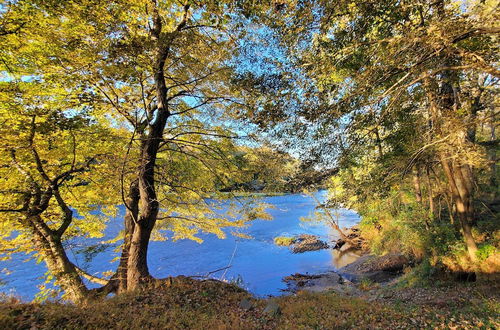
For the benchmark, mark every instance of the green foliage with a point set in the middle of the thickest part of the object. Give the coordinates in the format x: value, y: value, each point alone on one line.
x: 78, y: 103
x: 485, y: 251
x: 260, y: 169
x: 422, y: 275
x: 389, y: 93
x: 98, y: 96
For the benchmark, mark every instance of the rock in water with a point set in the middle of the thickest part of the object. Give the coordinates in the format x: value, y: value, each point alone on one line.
x: 306, y: 243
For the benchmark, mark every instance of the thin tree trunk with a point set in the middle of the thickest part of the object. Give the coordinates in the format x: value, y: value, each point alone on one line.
x: 492, y: 154
x: 432, y: 208
x: 416, y: 184
x: 379, y: 142
x: 131, y: 216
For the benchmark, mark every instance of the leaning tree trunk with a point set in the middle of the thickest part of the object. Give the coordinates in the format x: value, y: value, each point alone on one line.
x: 459, y: 176
x: 64, y: 271
x: 462, y: 198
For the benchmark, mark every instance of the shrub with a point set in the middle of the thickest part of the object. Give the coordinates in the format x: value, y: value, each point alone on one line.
x: 485, y: 251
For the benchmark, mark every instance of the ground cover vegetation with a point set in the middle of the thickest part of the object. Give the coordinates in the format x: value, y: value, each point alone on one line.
x: 154, y: 105
x: 200, y: 304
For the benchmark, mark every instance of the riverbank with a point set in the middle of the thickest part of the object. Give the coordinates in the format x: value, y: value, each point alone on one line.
x: 367, y: 271
x: 192, y: 304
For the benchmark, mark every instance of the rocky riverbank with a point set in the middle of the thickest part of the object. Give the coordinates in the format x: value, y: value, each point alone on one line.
x: 348, y: 279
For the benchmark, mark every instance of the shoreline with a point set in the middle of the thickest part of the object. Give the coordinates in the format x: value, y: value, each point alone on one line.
x: 366, y: 270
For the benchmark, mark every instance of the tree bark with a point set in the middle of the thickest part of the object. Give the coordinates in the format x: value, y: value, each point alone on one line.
x: 458, y: 175
x: 131, y: 216
x: 148, y: 207
x: 432, y: 208
x: 463, y: 202
x: 138, y: 272
x: 416, y: 184
x: 64, y: 271
x: 492, y: 154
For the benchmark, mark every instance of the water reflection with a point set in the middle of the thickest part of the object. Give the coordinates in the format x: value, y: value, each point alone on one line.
x: 341, y: 258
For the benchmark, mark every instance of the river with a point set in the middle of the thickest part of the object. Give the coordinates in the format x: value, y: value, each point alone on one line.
x: 256, y: 264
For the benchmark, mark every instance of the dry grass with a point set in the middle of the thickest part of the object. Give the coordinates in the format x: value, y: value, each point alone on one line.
x: 190, y: 304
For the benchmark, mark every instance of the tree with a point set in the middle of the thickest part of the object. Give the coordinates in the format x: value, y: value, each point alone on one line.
x: 165, y: 77
x: 155, y: 72
x: 395, y: 86
x: 55, y: 164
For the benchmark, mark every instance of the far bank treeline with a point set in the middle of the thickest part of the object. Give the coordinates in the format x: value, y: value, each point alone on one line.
x: 266, y: 170
x: 150, y: 104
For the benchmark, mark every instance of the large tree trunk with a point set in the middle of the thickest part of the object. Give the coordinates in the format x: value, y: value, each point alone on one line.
x: 137, y: 267
x: 138, y: 272
x: 462, y: 199
x: 458, y: 175
x: 148, y: 208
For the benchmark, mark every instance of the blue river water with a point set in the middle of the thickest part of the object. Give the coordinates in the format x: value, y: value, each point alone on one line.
x: 257, y: 264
